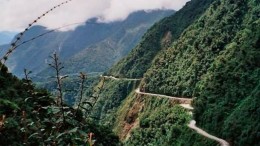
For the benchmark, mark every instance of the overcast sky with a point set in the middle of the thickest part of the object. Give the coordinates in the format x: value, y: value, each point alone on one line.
x: 15, y: 15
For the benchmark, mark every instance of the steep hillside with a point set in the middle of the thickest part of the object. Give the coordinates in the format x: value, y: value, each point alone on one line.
x: 157, y: 38
x: 112, y: 89
x: 143, y: 119
x: 111, y: 100
x: 30, y: 116
x: 120, y: 107
x: 216, y: 60
x: 86, y: 47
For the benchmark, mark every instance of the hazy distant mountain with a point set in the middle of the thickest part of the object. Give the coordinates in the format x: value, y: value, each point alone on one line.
x: 32, y: 55
x: 93, y: 47
x: 6, y: 37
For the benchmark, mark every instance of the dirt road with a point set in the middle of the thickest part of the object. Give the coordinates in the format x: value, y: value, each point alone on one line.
x: 185, y: 103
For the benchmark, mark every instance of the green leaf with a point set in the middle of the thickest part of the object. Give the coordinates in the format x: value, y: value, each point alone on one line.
x: 60, y: 135
x: 55, y: 110
x: 87, y: 102
x: 33, y: 135
x: 73, y: 130
x: 30, y: 124
x: 26, y: 99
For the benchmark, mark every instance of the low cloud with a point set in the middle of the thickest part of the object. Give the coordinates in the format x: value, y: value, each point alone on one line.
x: 15, y: 15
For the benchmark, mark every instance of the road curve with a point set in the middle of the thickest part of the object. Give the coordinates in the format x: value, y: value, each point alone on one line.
x: 186, y: 103
x: 192, y: 123
x: 114, y: 78
x: 193, y: 126
x: 183, y: 100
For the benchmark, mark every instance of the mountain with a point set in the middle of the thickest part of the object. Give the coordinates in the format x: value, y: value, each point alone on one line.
x: 193, y: 80
x: 211, y: 55
x: 92, y: 47
x: 123, y: 36
x: 157, y: 38
x: 33, y: 55
x: 6, y: 37
x: 3, y: 49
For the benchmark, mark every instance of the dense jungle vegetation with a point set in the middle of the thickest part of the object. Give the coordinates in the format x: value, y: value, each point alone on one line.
x: 217, y: 61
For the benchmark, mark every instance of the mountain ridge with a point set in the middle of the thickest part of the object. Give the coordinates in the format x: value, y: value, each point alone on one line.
x: 69, y: 44
x: 157, y: 38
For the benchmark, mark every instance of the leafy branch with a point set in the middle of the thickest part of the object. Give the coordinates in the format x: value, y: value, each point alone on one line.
x: 57, y: 66
x: 83, y: 78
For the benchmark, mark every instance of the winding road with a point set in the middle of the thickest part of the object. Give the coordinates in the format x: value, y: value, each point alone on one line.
x: 114, y: 78
x: 193, y: 126
x: 185, y: 103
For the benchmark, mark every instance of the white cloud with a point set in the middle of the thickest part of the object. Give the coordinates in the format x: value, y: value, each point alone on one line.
x: 15, y: 15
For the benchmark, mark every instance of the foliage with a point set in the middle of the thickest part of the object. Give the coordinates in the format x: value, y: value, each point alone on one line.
x: 246, y: 127
x: 30, y: 117
x: 70, y: 87
x: 216, y: 60
x: 231, y: 83
x: 178, y: 70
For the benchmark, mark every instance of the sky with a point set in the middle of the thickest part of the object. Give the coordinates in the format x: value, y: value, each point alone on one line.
x: 15, y: 15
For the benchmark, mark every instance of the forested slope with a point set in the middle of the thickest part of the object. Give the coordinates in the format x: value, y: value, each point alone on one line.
x: 140, y: 58
x: 158, y: 37
x: 121, y: 108
x: 217, y: 61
